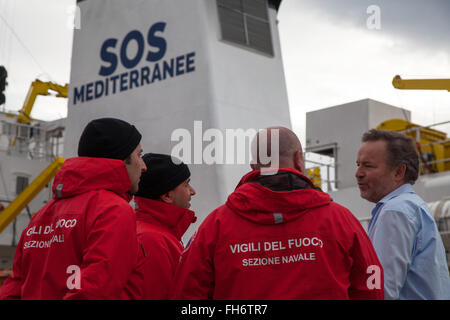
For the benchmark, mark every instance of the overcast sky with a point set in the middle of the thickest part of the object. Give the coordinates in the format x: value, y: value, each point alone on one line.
x: 331, y: 56
x: 329, y: 53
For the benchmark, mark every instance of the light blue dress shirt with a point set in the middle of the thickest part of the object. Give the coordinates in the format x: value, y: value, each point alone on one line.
x: 409, y: 247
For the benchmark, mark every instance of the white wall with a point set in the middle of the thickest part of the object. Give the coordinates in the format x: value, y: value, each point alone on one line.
x: 231, y: 87
x: 10, y: 168
x: 345, y: 125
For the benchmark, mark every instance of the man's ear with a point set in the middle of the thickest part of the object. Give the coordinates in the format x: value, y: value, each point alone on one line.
x: 400, y: 172
x: 299, y: 162
x: 167, y: 197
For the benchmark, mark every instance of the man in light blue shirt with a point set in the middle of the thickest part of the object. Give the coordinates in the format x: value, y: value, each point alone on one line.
x: 402, y: 229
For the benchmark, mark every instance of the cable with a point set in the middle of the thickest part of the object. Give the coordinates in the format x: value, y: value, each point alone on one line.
x: 25, y: 47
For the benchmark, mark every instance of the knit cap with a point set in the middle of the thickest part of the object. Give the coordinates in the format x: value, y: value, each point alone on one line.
x: 108, y: 138
x: 164, y: 173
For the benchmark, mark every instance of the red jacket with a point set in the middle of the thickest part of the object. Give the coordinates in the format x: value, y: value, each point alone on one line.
x: 277, y: 237
x: 82, y: 244
x: 160, y: 227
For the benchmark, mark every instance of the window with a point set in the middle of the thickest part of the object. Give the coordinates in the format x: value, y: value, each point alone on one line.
x: 21, y: 184
x: 325, y: 158
x: 246, y: 22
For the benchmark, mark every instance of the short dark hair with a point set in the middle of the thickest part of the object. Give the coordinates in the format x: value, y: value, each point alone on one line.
x: 401, y: 149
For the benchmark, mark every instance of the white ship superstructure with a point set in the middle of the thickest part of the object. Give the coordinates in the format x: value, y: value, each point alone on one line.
x: 193, y: 70
x: 333, y: 147
x: 25, y: 151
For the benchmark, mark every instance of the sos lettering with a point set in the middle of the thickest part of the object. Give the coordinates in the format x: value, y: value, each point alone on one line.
x: 157, y: 44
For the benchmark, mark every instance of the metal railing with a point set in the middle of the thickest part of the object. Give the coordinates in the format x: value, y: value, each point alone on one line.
x: 330, y: 150
x: 422, y: 162
x: 32, y: 142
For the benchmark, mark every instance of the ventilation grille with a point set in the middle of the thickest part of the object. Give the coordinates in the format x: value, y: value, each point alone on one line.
x: 246, y: 22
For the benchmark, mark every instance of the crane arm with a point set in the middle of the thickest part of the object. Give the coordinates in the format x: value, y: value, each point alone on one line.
x: 22, y: 200
x: 421, y: 84
x: 38, y: 87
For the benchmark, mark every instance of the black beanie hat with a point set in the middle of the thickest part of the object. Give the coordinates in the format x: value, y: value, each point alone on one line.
x: 108, y: 138
x: 162, y: 175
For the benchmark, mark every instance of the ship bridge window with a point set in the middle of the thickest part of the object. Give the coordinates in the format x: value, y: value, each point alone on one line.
x: 21, y: 184
x: 246, y: 22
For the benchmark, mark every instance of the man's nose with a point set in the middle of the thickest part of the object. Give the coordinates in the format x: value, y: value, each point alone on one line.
x: 358, y: 173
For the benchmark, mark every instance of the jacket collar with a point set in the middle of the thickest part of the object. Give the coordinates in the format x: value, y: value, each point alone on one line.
x: 172, y: 218
x: 278, y: 198
x: 276, y: 179
x: 83, y: 174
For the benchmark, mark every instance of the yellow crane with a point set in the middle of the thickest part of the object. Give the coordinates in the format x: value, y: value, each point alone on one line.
x: 431, y: 143
x: 421, y: 84
x: 22, y: 200
x: 37, y: 87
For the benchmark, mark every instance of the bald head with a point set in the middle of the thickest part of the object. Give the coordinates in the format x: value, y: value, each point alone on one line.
x: 277, y: 147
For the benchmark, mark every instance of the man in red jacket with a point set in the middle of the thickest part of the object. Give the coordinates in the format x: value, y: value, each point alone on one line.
x: 278, y: 237
x: 163, y: 217
x: 83, y: 244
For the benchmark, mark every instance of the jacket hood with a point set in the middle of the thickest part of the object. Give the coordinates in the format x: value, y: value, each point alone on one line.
x: 172, y: 218
x: 275, y: 198
x: 83, y: 174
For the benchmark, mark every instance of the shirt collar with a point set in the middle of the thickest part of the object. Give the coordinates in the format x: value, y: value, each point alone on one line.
x: 404, y: 188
